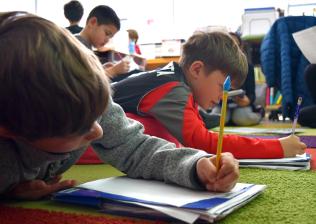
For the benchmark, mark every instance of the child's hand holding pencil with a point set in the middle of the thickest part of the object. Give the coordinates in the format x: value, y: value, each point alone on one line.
x: 221, y: 180
x: 292, y: 145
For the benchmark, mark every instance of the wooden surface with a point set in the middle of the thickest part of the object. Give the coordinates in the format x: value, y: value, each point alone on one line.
x: 159, y: 62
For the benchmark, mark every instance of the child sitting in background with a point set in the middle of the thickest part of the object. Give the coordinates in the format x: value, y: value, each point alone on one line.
x: 133, y: 36
x: 102, y: 24
x: 73, y: 11
x: 307, y: 114
x: 172, y: 95
x: 241, y: 110
x: 57, y: 101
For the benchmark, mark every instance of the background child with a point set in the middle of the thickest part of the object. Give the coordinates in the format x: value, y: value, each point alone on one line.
x: 73, y: 11
x: 172, y: 95
x: 102, y: 24
x: 57, y: 101
x: 133, y: 36
x: 241, y: 109
x: 307, y: 114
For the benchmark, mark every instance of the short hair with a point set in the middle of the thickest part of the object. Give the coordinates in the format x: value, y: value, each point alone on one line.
x: 218, y: 51
x: 73, y: 11
x: 50, y: 85
x: 132, y: 34
x: 240, y: 43
x: 105, y: 15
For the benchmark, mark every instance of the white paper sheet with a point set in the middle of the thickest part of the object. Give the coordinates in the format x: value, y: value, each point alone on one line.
x: 164, y: 193
x: 306, y: 41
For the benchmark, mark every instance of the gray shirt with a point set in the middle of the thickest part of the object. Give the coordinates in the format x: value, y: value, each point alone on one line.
x: 123, y: 145
x: 84, y: 41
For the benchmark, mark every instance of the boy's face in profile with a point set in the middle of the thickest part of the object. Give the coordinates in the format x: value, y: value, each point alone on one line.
x: 207, y: 87
x: 100, y: 34
x: 69, y: 143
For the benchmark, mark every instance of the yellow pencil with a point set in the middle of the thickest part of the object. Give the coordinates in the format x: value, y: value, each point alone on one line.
x: 226, y: 87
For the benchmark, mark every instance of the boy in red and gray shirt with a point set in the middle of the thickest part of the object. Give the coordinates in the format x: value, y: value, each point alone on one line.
x: 171, y: 95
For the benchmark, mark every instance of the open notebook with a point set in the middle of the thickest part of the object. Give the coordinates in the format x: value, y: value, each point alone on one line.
x: 157, y: 200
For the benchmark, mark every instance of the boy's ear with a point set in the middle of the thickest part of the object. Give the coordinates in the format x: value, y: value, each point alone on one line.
x: 93, y: 21
x: 6, y: 133
x: 196, y: 68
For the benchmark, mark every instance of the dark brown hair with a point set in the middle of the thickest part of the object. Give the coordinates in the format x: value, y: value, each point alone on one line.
x: 50, y: 85
x: 218, y: 51
x: 105, y: 15
x: 73, y: 11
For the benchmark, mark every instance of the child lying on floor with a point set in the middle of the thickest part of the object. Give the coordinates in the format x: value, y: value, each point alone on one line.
x: 55, y: 100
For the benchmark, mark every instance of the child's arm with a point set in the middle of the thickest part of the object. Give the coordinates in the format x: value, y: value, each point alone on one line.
x: 140, y: 156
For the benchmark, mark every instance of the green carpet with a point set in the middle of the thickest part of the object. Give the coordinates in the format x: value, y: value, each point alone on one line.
x: 289, y: 198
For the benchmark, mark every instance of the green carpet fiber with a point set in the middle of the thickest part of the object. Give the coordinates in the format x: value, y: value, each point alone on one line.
x: 289, y: 198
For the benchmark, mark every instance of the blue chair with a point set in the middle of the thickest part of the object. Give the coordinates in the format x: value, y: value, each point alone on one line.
x: 283, y: 63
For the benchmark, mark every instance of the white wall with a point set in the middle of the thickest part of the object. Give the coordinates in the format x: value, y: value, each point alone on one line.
x: 157, y: 19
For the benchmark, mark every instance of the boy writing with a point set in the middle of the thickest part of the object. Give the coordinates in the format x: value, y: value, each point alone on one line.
x: 102, y: 24
x: 172, y: 95
x: 55, y: 100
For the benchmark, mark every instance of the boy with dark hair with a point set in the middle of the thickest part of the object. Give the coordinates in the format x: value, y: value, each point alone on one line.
x: 172, y: 95
x: 102, y: 24
x: 55, y: 101
x: 73, y: 11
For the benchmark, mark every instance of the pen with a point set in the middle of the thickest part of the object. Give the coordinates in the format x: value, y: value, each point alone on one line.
x: 298, y: 105
x: 237, y: 92
x: 226, y: 87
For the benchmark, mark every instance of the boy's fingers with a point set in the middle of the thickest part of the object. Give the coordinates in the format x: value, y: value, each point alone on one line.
x: 228, y: 165
x: 56, y: 179
x: 37, y: 189
x: 61, y: 185
x: 51, y: 188
x: 210, y: 173
x: 206, y: 171
x: 228, y: 173
x: 227, y: 182
x: 228, y: 169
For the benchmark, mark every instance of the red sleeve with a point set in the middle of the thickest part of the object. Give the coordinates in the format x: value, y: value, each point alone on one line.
x: 197, y: 136
x: 137, y: 49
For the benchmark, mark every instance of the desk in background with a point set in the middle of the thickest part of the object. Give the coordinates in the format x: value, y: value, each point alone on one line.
x: 153, y: 64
